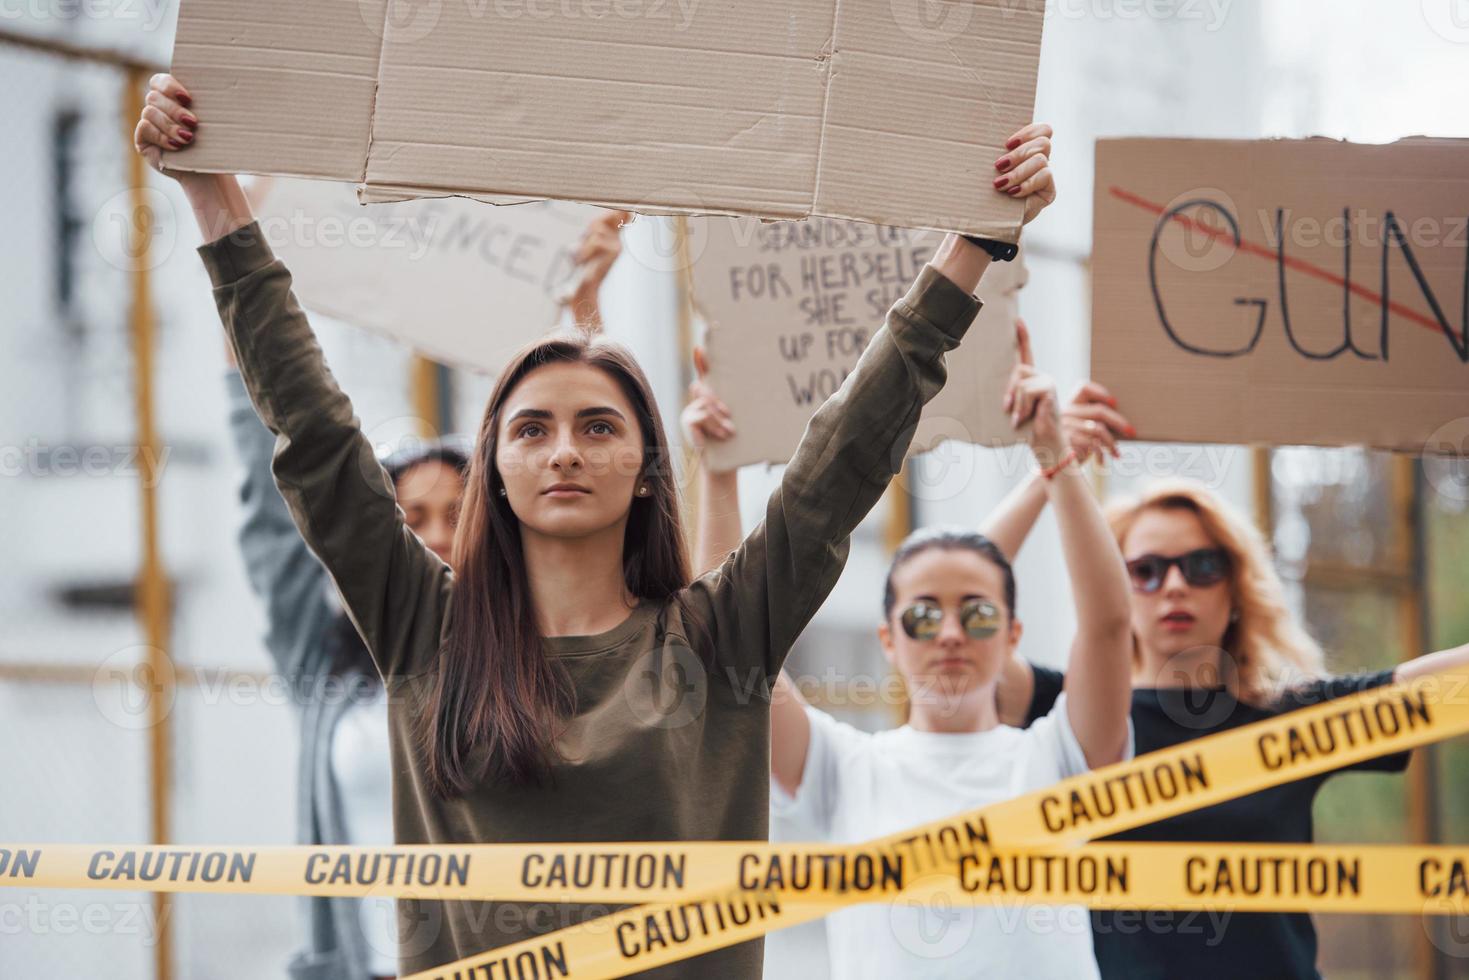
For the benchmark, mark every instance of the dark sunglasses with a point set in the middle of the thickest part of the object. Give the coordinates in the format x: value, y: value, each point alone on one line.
x: 1205, y: 566
x: 925, y: 620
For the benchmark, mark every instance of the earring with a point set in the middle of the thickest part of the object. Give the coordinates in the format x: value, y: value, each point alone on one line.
x: 504, y: 492
x: 1234, y: 615
x: 643, y: 490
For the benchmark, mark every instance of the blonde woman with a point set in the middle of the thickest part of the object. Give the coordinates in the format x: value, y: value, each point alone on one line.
x: 1214, y: 647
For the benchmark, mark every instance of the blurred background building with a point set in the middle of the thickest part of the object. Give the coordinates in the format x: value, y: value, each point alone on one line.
x: 1374, y: 547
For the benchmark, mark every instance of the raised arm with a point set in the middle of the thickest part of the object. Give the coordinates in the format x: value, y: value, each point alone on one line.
x: 282, y: 570
x: 1091, y: 425
x: 341, y: 499
x: 1098, y: 686
x: 596, y: 253
x: 757, y: 603
x: 706, y: 418
x: 1452, y: 659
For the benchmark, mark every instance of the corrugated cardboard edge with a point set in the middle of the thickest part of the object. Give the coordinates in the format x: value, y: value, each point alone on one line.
x: 1006, y: 231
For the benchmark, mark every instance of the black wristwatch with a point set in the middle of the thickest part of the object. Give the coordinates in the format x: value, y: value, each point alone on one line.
x: 998, y: 251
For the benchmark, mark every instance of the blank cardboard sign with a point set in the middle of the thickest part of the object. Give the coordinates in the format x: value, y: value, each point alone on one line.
x: 890, y: 111
x: 1284, y: 291
x: 790, y: 306
x: 459, y: 281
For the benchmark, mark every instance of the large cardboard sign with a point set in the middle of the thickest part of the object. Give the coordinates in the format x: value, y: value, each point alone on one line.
x: 459, y: 281
x: 791, y: 306
x: 890, y: 111
x: 1286, y: 291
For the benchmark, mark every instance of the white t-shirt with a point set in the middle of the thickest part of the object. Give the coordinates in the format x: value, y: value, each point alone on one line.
x: 858, y: 785
x: 363, y: 773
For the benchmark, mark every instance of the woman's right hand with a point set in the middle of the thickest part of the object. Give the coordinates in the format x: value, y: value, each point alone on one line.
x: 167, y: 123
x: 705, y: 418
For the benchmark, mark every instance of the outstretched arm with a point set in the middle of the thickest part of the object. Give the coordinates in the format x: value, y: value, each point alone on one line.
x: 341, y: 499
x: 1097, y: 681
x: 706, y: 418
x: 1452, y: 659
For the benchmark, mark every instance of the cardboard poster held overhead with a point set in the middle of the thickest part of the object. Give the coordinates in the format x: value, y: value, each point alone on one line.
x: 456, y: 280
x: 1285, y: 291
x: 790, y: 307
x: 890, y: 111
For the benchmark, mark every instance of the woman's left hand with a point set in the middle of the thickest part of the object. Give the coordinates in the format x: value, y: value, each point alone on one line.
x: 1033, y: 404
x: 1025, y: 169
x: 598, y: 250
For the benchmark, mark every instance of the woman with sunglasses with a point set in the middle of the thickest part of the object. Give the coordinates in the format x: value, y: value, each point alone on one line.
x: 948, y: 629
x: 1214, y: 646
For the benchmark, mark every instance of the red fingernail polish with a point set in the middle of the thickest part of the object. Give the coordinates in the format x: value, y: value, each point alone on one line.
x: 1001, y: 182
x: 186, y: 136
x: 184, y: 100
x: 1112, y: 400
x: 1014, y: 190
x: 176, y: 144
x: 190, y: 120
x: 1131, y: 431
x: 1014, y: 142
x: 1002, y: 164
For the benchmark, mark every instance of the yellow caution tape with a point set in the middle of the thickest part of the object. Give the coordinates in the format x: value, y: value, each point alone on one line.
x: 707, y: 895
x: 1148, y: 788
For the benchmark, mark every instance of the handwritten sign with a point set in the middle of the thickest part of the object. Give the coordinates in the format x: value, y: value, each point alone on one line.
x: 790, y: 307
x: 1285, y: 291
x: 460, y: 281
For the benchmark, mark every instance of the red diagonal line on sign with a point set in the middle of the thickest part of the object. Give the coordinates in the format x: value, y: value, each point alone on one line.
x: 1299, y: 265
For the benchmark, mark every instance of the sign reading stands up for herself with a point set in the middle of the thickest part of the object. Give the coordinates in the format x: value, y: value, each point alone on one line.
x: 456, y: 280
x: 891, y: 111
x: 1285, y: 291
x: 790, y: 307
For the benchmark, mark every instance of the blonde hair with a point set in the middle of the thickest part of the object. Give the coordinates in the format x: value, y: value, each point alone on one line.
x: 1265, y: 645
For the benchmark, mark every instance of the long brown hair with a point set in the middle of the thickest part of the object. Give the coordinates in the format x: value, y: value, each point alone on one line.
x: 1266, y: 647
x: 499, y: 702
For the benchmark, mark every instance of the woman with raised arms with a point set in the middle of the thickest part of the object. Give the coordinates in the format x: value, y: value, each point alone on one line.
x: 948, y: 628
x: 564, y: 677
x: 1213, y: 646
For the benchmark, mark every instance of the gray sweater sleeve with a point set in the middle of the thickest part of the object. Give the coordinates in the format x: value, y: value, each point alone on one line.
x: 340, y: 498
x: 282, y: 570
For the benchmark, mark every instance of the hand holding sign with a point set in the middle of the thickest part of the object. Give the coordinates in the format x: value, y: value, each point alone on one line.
x: 596, y: 253
x: 1034, y: 406
x: 1026, y: 169
x: 705, y: 418
x: 1092, y: 423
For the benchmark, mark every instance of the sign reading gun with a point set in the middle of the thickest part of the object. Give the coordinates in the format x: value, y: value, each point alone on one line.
x: 1257, y: 292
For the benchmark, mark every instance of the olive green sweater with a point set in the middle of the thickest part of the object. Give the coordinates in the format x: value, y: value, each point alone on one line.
x: 668, y: 743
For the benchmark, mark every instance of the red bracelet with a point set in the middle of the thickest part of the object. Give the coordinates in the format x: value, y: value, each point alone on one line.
x: 1066, y: 460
